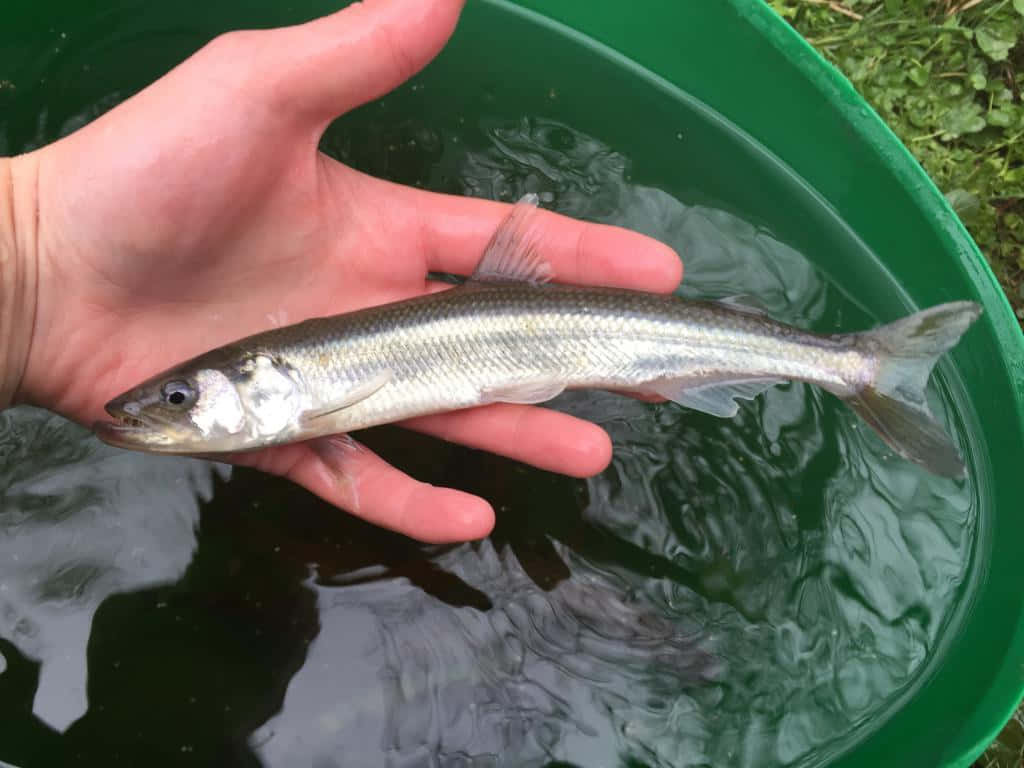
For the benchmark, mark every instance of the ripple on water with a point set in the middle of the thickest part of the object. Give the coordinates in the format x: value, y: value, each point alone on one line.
x: 742, y: 592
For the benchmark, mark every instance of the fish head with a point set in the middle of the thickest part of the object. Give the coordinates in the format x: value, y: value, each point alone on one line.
x: 204, y: 407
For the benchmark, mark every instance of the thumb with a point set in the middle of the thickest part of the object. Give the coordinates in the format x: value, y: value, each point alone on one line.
x: 338, y: 62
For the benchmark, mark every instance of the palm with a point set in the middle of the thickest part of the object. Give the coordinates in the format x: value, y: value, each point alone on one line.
x: 222, y: 222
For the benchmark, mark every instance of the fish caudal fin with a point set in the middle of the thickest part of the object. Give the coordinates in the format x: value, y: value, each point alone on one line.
x: 894, y: 402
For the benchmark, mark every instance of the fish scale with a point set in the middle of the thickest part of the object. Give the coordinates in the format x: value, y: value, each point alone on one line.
x: 528, y: 333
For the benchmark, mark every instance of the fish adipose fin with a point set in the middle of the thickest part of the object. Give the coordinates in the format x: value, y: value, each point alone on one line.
x: 357, y: 393
x: 744, y: 302
x: 894, y: 403
x: 512, y: 255
x: 717, y: 398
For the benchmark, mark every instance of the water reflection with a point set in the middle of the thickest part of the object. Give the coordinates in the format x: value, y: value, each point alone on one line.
x: 82, y: 522
x: 535, y: 674
x: 730, y: 592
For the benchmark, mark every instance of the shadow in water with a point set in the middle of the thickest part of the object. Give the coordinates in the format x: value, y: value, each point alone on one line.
x: 183, y: 673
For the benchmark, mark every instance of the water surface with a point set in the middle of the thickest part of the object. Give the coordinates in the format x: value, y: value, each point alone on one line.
x: 746, y: 592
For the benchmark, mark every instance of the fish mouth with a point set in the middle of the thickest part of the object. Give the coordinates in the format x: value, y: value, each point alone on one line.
x: 128, y: 431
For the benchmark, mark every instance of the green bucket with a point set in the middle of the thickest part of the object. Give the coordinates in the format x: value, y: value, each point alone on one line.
x: 718, y: 101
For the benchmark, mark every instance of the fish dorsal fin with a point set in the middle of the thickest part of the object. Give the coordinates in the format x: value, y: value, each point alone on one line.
x: 717, y: 398
x: 512, y: 254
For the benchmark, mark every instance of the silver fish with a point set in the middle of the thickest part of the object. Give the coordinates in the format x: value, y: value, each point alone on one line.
x: 509, y: 335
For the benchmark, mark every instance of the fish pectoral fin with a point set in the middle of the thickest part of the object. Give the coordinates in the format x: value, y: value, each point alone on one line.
x: 717, y: 398
x: 512, y: 255
x: 359, y: 392
x: 525, y: 394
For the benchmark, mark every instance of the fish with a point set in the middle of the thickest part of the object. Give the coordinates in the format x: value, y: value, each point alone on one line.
x: 510, y: 334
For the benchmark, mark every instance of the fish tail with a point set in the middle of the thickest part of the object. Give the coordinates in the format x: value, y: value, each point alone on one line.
x: 894, y: 403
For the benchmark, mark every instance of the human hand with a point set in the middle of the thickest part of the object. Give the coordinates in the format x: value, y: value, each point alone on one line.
x: 200, y: 211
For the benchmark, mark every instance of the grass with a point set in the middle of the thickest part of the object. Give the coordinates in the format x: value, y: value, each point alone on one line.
x: 947, y: 76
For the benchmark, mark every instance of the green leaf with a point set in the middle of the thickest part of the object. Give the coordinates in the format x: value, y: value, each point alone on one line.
x: 919, y: 75
x: 1014, y: 175
x: 785, y: 11
x: 995, y: 41
x: 978, y: 80
x: 1001, y: 94
x: 1000, y: 117
x: 962, y: 118
x: 1019, y: 6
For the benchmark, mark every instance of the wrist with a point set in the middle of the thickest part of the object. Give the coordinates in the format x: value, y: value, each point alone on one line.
x: 19, y: 270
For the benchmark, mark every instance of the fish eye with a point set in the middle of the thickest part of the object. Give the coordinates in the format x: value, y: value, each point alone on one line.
x: 178, y: 393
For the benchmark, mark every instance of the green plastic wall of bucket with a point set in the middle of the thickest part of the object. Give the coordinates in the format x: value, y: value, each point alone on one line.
x: 747, y: 64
